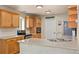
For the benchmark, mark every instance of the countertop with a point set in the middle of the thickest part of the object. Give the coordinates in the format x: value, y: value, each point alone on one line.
x: 7, y: 37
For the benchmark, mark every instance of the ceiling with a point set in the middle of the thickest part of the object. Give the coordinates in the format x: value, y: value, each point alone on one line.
x: 55, y: 9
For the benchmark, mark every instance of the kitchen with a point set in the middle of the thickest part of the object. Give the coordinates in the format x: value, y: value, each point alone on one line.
x: 30, y: 24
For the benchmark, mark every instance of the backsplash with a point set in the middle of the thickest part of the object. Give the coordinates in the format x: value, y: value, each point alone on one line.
x: 8, y: 32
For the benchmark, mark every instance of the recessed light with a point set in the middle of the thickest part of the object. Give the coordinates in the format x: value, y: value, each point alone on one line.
x: 48, y: 12
x: 39, y: 6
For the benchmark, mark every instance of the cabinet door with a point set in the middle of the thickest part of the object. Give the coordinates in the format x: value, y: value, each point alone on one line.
x: 15, y: 20
x: 13, y: 46
x: 27, y: 21
x: 72, y: 24
x: 72, y: 10
x: 5, y: 19
x: 38, y: 22
x: 31, y: 22
x: 72, y: 18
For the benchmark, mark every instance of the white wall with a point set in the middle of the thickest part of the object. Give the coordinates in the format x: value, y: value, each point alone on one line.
x: 60, y: 17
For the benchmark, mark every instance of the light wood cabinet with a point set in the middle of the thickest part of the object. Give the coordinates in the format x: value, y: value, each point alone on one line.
x: 15, y: 20
x: 5, y: 19
x: 72, y: 24
x: 8, y: 19
x: 72, y: 10
x: 32, y: 23
x: 38, y: 22
x: 29, y: 21
x: 72, y: 16
x: 10, y: 45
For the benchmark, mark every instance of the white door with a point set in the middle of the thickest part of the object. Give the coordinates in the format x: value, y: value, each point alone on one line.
x: 50, y: 28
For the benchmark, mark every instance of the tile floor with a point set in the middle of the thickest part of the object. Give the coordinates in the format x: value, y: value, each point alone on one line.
x: 44, y: 46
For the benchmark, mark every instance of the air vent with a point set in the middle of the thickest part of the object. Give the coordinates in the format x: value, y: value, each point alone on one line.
x: 50, y: 17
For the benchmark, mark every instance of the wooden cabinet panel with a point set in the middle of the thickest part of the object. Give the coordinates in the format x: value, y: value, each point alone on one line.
x: 13, y: 46
x: 5, y: 19
x: 29, y: 21
x: 72, y: 10
x: 31, y: 24
x: 8, y: 19
x: 38, y: 22
x: 72, y: 24
x: 3, y: 50
x: 15, y: 20
x: 38, y: 35
x: 10, y: 45
x: 72, y: 16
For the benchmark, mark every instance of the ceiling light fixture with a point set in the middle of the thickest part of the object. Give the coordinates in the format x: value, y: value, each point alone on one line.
x: 48, y: 12
x: 39, y: 6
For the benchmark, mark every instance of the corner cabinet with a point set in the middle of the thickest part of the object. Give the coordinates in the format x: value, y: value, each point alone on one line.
x: 8, y: 19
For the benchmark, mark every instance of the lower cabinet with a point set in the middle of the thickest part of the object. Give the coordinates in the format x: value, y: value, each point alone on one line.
x: 13, y: 47
x: 10, y: 45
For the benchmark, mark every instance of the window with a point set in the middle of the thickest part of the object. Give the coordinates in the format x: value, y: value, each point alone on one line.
x: 22, y: 23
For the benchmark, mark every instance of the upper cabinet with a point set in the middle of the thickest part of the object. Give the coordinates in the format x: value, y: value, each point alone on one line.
x: 38, y: 22
x: 32, y: 21
x: 72, y: 16
x: 72, y: 10
x: 15, y: 20
x: 8, y: 19
x: 5, y: 19
x: 29, y: 21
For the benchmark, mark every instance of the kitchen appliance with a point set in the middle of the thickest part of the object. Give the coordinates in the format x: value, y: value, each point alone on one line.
x: 38, y: 30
